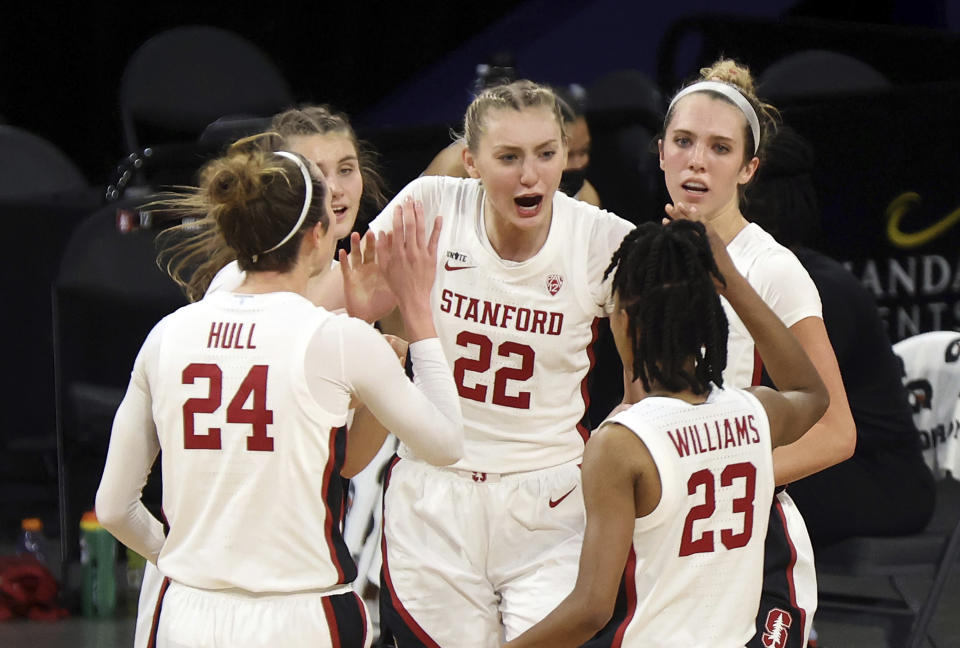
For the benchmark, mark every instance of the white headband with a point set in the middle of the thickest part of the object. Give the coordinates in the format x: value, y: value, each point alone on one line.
x: 308, y: 197
x: 731, y: 93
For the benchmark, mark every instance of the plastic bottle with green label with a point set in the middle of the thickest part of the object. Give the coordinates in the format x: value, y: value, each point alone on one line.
x: 98, y: 550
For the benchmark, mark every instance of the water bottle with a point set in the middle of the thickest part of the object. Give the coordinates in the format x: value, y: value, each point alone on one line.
x: 98, y: 596
x: 31, y: 541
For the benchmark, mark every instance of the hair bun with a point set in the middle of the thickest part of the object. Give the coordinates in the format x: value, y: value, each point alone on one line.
x: 729, y: 71
x: 234, y: 182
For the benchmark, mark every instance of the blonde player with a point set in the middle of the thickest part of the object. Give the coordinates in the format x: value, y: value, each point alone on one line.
x: 490, y: 545
x: 247, y: 392
x: 677, y: 487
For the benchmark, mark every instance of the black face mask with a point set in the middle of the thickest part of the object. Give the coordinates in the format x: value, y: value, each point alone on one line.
x: 572, y: 181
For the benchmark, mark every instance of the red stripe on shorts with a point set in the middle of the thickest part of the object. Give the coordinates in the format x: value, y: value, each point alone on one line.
x: 793, y: 562
x: 152, y: 641
x: 410, y: 622
x: 331, y: 622
x: 328, y: 475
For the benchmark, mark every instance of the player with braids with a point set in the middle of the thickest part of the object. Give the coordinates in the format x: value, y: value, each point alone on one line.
x: 673, y: 279
x: 673, y: 552
x: 246, y: 392
x: 712, y: 143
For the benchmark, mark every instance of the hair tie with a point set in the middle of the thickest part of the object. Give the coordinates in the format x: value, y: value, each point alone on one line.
x: 733, y: 94
x: 307, y: 198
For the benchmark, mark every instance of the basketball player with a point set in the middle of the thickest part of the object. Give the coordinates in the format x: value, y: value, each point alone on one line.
x: 247, y: 392
x: 677, y: 486
x: 202, y: 262
x: 490, y: 545
x: 711, y: 146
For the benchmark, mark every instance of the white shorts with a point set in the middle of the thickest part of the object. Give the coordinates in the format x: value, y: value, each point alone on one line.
x: 472, y: 558
x: 147, y: 606
x: 789, y: 597
x: 804, y: 570
x: 191, y: 617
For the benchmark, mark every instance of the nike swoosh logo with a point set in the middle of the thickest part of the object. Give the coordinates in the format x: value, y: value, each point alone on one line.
x: 447, y: 266
x: 555, y: 502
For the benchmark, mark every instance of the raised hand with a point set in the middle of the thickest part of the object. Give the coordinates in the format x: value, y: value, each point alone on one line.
x: 682, y: 211
x: 366, y: 293
x: 408, y: 261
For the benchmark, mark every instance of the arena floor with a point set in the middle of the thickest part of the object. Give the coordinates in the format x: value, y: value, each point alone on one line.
x: 87, y: 633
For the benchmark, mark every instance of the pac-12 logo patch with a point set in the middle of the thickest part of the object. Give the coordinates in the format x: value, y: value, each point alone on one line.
x: 554, y: 283
x: 776, y: 629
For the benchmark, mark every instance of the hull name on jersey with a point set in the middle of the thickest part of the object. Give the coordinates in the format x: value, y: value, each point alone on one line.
x: 482, y: 311
x: 230, y: 335
x: 714, y: 435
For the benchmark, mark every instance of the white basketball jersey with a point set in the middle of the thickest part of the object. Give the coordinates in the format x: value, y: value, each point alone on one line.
x: 783, y: 284
x: 251, y: 463
x: 517, y: 335
x: 696, y: 565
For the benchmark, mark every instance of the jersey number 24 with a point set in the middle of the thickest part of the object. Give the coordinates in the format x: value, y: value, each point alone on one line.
x: 258, y: 416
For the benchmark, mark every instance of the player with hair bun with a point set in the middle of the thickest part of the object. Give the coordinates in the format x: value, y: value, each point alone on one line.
x: 712, y: 142
x: 246, y: 392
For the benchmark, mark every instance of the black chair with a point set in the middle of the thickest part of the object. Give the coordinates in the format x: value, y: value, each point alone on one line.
x: 933, y: 553
x: 32, y: 167
x: 182, y: 79
x: 932, y: 376
x: 42, y: 195
x: 816, y: 73
x: 107, y: 297
x: 174, y: 86
x: 625, y: 111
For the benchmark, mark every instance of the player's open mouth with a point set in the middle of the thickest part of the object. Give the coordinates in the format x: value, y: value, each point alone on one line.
x: 695, y: 187
x: 339, y: 212
x: 528, y: 205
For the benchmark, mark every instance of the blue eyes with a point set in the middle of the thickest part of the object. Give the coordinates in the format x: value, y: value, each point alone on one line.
x: 512, y: 157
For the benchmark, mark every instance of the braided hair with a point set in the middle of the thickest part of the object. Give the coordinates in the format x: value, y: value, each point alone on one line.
x: 664, y: 281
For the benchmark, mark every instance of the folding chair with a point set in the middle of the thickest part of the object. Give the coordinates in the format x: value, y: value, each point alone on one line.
x: 932, y: 375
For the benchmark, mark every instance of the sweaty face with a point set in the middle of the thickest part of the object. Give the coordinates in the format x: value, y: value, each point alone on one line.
x: 578, y: 144
x: 702, y: 154
x: 336, y: 156
x: 520, y: 158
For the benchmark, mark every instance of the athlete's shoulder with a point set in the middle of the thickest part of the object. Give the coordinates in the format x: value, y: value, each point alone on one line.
x: 442, y: 186
x: 587, y: 214
x: 754, y: 242
x: 347, y: 326
x: 597, y: 230
x: 762, y: 259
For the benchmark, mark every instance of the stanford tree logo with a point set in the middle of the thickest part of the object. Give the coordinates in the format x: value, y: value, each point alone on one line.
x: 776, y: 628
